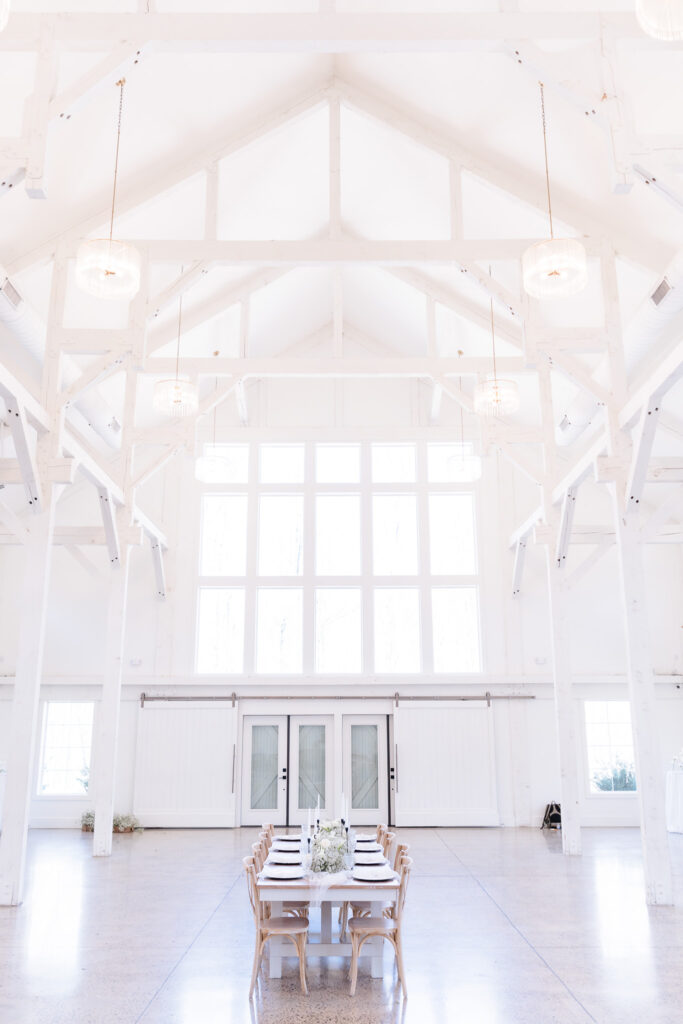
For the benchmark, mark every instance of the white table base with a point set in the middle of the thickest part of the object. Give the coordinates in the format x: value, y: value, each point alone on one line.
x: 373, y: 948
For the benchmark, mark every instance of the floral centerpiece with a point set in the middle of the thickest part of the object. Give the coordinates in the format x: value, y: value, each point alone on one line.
x: 329, y: 847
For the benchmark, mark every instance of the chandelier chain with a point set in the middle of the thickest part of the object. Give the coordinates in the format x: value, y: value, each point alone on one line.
x: 545, y: 153
x: 120, y: 84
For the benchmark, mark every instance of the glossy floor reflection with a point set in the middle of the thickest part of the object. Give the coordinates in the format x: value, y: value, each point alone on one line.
x: 501, y: 928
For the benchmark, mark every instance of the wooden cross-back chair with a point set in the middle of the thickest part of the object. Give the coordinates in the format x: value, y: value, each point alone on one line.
x: 363, y: 908
x: 363, y: 928
x: 293, y: 928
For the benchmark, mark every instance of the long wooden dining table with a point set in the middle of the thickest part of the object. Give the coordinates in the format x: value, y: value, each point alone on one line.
x: 309, y: 889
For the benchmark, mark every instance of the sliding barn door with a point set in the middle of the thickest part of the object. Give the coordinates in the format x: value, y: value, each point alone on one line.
x: 443, y: 762
x: 185, y: 766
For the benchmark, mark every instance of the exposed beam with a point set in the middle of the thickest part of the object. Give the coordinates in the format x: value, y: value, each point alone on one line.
x: 25, y: 450
x: 14, y: 523
x: 158, y: 561
x: 80, y: 536
x: 93, y: 375
x: 57, y: 471
x: 110, y: 530
x: 386, y: 366
x: 642, y: 449
x: 83, y: 560
x: 575, y: 372
x: 105, y: 72
x: 518, y: 567
x: 325, y: 32
x: 565, y: 527
x: 668, y: 371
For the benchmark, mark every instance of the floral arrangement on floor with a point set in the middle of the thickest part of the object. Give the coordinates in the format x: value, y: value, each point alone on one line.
x: 329, y: 847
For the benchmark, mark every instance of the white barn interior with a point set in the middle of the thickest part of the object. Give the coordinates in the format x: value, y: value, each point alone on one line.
x: 331, y: 202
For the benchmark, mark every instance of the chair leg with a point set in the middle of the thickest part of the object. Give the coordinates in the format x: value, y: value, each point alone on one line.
x: 354, y: 964
x: 302, y: 963
x: 399, y: 965
x: 257, y: 962
x: 344, y: 919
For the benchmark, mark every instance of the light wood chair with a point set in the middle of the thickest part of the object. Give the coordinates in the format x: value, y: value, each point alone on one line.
x: 387, y: 842
x: 297, y: 908
x: 293, y: 928
x: 363, y: 908
x: 363, y: 928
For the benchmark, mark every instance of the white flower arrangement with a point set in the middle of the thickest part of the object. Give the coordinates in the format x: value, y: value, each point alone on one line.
x: 329, y: 847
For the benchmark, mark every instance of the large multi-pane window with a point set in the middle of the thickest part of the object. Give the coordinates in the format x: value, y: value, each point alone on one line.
x: 66, y: 741
x: 352, y: 559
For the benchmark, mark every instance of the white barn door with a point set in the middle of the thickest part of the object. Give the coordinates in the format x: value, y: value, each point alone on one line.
x: 185, y: 766
x: 444, y: 764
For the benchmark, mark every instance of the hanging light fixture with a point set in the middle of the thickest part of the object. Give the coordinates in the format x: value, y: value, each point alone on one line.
x: 494, y: 396
x: 4, y: 13
x: 464, y: 468
x: 105, y: 267
x: 661, y: 19
x: 178, y: 396
x: 213, y: 468
x: 556, y: 267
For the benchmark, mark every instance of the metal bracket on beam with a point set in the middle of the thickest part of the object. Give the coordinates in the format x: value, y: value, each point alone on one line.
x: 18, y: 425
x: 642, y: 450
x: 565, y: 530
x: 158, y: 560
x: 110, y: 529
x: 518, y: 568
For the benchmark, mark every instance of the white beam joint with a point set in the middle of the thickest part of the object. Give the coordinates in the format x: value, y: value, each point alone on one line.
x: 642, y: 449
x: 110, y: 528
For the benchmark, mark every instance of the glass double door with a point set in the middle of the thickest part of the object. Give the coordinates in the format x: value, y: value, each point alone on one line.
x: 290, y: 762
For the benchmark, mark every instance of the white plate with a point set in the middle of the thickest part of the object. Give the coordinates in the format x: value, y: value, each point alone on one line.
x: 361, y: 838
x: 283, y: 871
x: 361, y: 857
x: 283, y: 857
x: 287, y: 839
x: 369, y: 848
x: 380, y: 873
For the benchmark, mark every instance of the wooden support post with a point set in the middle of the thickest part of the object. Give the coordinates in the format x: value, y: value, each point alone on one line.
x: 22, y: 734
x: 107, y: 727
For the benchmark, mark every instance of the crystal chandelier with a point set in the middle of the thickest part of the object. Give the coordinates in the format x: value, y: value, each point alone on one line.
x: 556, y: 267
x: 212, y: 468
x: 105, y: 267
x: 493, y: 396
x: 661, y: 19
x: 4, y: 13
x: 178, y: 396
x: 463, y: 468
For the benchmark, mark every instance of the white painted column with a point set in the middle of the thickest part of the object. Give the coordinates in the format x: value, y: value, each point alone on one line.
x: 22, y: 737
x: 565, y: 711
x: 650, y: 778
x: 107, y: 728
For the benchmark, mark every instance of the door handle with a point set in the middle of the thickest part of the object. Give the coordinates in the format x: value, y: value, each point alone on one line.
x: 283, y: 777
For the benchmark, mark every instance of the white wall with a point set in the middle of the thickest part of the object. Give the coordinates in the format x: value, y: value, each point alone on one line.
x: 159, y: 642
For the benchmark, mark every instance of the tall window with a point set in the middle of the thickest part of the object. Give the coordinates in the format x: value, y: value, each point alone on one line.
x: 65, y: 748
x: 347, y: 559
x: 609, y: 745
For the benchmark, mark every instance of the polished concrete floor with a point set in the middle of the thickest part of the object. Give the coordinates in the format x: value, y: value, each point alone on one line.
x: 500, y: 928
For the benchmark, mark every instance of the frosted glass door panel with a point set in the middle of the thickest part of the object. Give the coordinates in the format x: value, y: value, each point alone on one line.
x: 264, y: 770
x: 364, y: 768
x: 311, y: 767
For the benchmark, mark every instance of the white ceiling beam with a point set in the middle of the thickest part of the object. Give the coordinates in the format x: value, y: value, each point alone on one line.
x: 516, y: 181
x: 58, y: 471
x: 17, y: 527
x: 163, y: 177
x: 82, y: 536
x: 576, y: 373
x: 215, y: 306
x: 158, y: 562
x: 518, y: 566
x: 668, y: 371
x: 24, y: 446
x: 156, y: 464
x: 12, y: 389
x: 324, y: 32
x: 173, y: 291
x: 83, y: 560
x: 565, y: 528
x: 342, y: 251
x: 527, y: 527
x: 582, y: 468
x: 591, y: 559
x: 110, y: 527
x: 93, y: 375
x: 117, y: 64
x: 241, y: 402
x: 520, y: 461
x: 386, y: 366
x: 38, y: 115
x: 644, y: 438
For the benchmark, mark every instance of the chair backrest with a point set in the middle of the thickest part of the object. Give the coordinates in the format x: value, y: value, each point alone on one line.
x: 404, y: 870
x: 381, y: 829
x: 259, y: 855
x: 250, y: 872
x: 401, y: 850
x: 266, y: 838
x: 269, y: 830
x: 387, y: 841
